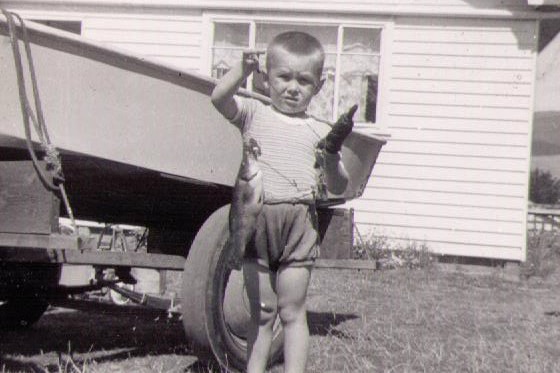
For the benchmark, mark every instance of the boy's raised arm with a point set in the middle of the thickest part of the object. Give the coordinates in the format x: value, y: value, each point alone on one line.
x: 336, y: 175
x: 222, y: 95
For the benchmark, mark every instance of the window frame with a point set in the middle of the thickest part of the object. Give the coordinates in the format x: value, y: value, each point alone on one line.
x: 385, y: 24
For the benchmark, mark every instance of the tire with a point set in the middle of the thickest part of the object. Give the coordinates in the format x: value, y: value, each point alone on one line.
x: 214, y: 305
x: 21, y: 313
x: 24, y: 293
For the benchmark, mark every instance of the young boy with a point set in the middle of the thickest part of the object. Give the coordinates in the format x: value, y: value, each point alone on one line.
x: 277, y: 265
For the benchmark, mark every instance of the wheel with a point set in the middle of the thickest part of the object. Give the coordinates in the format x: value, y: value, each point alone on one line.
x: 24, y: 293
x: 214, y: 305
x: 19, y: 313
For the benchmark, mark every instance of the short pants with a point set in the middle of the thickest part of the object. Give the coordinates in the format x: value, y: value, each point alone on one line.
x: 286, y: 235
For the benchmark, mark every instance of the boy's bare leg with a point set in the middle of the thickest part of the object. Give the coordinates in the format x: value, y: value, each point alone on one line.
x: 291, y: 286
x: 259, y: 282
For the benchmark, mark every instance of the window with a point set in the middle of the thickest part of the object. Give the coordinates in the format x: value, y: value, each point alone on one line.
x: 351, y: 69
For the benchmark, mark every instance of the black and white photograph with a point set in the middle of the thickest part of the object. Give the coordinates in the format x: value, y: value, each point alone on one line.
x: 279, y: 186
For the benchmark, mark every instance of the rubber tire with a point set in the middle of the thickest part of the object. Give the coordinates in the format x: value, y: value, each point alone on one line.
x: 205, y: 280
x: 21, y: 313
x: 25, y: 293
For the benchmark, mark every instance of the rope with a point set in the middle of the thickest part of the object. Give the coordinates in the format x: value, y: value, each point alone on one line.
x: 52, y: 157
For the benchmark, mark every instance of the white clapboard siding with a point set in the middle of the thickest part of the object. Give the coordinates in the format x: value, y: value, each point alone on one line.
x: 458, y: 75
x: 450, y: 137
x: 467, y: 100
x: 474, y: 112
x: 493, y: 87
x: 460, y: 125
x: 444, y: 211
x: 459, y: 247
x: 466, y: 62
x: 174, y: 40
x: 447, y: 225
x: 445, y: 197
x: 466, y: 32
x: 481, y: 151
x: 462, y: 231
x: 456, y: 162
x: 454, y: 173
x: 488, y: 189
x: 391, y: 169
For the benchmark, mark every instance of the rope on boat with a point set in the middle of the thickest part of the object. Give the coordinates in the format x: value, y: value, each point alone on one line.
x: 52, y: 156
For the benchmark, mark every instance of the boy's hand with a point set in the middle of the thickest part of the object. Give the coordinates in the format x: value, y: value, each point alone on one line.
x: 250, y: 61
x: 332, y: 143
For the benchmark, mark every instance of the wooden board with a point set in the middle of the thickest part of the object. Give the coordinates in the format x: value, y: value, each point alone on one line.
x: 336, y: 229
x: 26, y: 206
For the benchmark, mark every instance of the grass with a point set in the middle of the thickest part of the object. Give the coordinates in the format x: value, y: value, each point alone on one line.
x: 542, y: 255
x: 428, y: 321
x: 400, y: 320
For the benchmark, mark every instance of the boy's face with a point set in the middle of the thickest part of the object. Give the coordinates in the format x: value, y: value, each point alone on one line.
x: 292, y: 80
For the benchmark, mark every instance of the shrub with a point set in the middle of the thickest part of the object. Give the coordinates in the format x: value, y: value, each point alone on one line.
x: 387, y: 254
x: 543, y: 188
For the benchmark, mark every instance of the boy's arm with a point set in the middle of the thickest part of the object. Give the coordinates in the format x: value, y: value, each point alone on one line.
x: 222, y: 95
x: 336, y: 175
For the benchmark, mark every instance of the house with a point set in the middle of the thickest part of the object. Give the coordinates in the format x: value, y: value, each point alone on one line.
x: 452, y: 83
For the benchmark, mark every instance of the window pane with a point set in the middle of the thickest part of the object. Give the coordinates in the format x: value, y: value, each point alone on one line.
x: 322, y: 104
x: 223, y: 60
x: 358, y: 85
x: 230, y: 39
x: 231, y: 35
x: 359, y: 70
x: 325, y: 34
x: 362, y: 40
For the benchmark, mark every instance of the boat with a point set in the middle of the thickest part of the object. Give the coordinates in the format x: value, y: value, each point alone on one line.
x: 139, y: 141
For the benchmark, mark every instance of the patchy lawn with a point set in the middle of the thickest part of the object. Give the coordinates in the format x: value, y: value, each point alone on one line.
x: 423, y: 320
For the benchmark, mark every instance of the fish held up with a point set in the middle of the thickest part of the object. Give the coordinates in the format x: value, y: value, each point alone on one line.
x: 247, y: 203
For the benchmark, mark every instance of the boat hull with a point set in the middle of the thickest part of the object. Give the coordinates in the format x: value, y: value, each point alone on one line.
x: 140, y: 141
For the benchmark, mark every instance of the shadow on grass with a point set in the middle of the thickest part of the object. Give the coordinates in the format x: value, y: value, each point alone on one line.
x: 106, y: 332
x: 93, y: 329
x: 92, y: 332
x: 323, y: 323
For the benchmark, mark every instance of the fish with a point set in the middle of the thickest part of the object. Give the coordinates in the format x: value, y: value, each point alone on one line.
x: 246, y: 204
